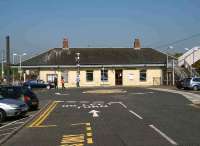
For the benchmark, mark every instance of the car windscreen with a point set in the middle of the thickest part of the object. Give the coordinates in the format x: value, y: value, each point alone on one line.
x: 11, y: 92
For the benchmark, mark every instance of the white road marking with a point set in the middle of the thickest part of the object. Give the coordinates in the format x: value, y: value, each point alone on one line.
x: 163, y: 135
x: 94, y: 113
x: 14, y: 122
x: 4, y: 134
x: 135, y: 114
x: 8, y: 129
x: 71, y: 101
x: 123, y: 104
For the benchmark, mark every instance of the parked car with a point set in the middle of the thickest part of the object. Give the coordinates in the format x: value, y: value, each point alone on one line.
x: 11, y: 107
x: 192, y: 83
x: 179, y: 83
x: 38, y: 84
x: 20, y: 93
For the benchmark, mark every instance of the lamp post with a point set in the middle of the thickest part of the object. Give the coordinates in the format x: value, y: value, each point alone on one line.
x: 170, y: 47
x: 14, y: 54
x: 77, y: 58
x: 20, y: 64
x: 2, y: 67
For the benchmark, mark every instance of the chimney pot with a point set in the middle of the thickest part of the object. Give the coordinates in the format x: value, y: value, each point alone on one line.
x: 65, y: 43
x: 137, y: 44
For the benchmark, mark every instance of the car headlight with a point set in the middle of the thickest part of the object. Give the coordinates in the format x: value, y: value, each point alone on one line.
x: 13, y: 106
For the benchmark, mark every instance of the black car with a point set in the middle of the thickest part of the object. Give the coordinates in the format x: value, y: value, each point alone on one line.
x: 37, y: 84
x: 180, y: 83
x: 20, y: 93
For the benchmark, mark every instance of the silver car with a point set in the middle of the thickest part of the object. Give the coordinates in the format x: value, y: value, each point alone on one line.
x: 192, y: 83
x: 11, y: 107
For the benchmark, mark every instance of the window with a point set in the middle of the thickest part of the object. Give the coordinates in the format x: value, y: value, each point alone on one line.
x: 104, y: 75
x: 50, y: 77
x: 89, y: 75
x: 196, y: 79
x: 143, y: 75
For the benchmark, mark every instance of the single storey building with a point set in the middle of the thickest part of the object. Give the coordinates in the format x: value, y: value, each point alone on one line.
x: 98, y: 66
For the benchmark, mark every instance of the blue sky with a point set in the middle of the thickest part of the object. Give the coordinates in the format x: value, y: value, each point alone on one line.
x: 36, y: 25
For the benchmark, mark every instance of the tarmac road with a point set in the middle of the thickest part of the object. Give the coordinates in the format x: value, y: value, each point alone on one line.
x: 111, y: 117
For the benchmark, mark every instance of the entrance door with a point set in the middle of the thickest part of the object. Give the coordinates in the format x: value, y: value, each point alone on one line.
x: 118, y: 77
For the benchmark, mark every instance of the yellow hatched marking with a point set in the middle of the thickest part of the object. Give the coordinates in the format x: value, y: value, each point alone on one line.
x: 89, y: 141
x: 89, y: 134
x: 77, y: 144
x: 72, y: 139
x: 44, y: 115
x: 88, y: 128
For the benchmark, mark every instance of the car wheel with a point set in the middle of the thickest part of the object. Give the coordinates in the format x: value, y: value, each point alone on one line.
x: 48, y: 87
x: 2, y: 115
x: 195, y: 88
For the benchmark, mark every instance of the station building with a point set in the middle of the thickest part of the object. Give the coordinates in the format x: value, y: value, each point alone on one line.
x: 134, y: 66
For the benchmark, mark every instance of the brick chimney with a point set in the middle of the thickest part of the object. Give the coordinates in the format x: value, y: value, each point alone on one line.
x: 65, y: 43
x: 137, y: 44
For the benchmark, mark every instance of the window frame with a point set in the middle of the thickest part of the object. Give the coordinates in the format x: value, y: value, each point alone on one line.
x: 53, y: 76
x: 143, y: 72
x: 104, y: 73
x: 89, y: 72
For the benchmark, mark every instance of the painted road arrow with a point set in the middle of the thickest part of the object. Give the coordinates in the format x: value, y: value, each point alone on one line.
x: 94, y: 112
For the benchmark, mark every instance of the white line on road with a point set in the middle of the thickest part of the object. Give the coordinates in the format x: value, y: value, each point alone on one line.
x: 9, y: 129
x: 4, y: 134
x: 163, y: 135
x: 13, y: 122
x: 135, y: 114
x: 123, y: 104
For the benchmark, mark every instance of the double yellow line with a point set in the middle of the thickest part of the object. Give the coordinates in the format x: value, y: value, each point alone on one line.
x: 38, y: 122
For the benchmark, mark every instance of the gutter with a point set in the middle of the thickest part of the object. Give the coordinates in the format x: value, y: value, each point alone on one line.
x: 94, y: 66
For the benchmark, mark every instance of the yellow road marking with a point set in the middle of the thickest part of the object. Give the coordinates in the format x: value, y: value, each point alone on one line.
x: 46, y: 115
x: 43, y: 116
x: 87, y: 124
x: 88, y: 128
x: 89, y: 134
x: 72, y: 139
x: 89, y: 141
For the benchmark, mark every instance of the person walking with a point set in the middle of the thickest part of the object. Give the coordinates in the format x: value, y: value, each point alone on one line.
x: 56, y: 83
x: 63, y: 83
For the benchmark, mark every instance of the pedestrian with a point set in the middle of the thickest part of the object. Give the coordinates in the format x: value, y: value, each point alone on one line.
x: 56, y: 83
x: 77, y: 81
x: 62, y: 83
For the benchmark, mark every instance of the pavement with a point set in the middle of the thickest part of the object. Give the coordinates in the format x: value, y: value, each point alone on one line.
x: 123, y: 116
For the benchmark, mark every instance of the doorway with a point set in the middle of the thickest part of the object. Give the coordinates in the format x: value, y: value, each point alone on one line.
x: 118, y: 77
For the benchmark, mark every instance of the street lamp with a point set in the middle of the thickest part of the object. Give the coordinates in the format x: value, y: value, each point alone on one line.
x: 170, y: 47
x: 77, y: 58
x: 2, y: 67
x: 20, y: 64
x: 14, y: 54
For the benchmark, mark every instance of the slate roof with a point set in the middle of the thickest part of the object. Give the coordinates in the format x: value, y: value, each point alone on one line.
x: 97, y: 56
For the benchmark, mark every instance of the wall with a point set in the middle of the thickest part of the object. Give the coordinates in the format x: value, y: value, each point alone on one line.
x: 132, y: 77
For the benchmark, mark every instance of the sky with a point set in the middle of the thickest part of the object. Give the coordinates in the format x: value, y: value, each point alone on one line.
x: 34, y: 26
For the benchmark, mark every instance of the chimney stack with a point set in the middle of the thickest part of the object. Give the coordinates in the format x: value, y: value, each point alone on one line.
x: 65, y: 43
x: 137, y: 44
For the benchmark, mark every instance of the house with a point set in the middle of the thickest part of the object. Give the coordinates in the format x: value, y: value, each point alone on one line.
x: 98, y: 66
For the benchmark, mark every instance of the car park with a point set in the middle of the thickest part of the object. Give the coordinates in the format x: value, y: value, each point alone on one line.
x: 37, y: 84
x: 11, y: 107
x: 21, y: 93
x: 192, y: 83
